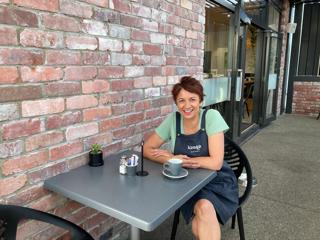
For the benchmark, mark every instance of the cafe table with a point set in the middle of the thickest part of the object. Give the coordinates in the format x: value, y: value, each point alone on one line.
x: 143, y: 202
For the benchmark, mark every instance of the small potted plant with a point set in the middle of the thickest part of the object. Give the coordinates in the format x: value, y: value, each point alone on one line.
x: 95, y: 155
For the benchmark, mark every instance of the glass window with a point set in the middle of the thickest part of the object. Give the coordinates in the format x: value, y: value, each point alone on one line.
x: 217, y: 54
x: 274, y: 17
x: 257, y: 11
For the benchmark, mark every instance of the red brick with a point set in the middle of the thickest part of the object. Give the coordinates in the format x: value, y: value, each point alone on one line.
x: 134, y: 118
x: 8, y: 75
x: 103, y: 139
x: 120, y: 85
x: 8, y: 36
x: 130, y: 21
x: 120, y: 6
x: 55, y: 57
x: 18, y: 17
x: 151, y: 49
x: 28, y: 195
x: 143, y: 82
x: 65, y: 150
x: 168, y: 7
x: 96, y: 113
x: 95, y: 58
x: 153, y: 113
x: 43, y: 140
x: 41, y: 39
x: 168, y: 70
x: 81, y: 42
x: 140, y: 35
x: 76, y: 9
x: 67, y: 208
x: 165, y: 110
x: 123, y: 133
x: 42, y: 107
x: 133, y: 95
x: 4, y: 1
x: 80, y: 73
x: 165, y: 28
x: 159, y: 81
x: 12, y: 184
x: 40, y: 74
x: 21, y: 56
x: 24, y: 162
x: 21, y: 128
x: 47, y: 172
x: 83, y: 213
x: 115, y: 147
x: 95, y: 86
x: 78, y: 102
x: 142, y: 105
x: 111, y: 123
x: 152, y: 71
x: 58, y: 121
x: 150, y: 25
x: 51, y: 6
x: 47, y: 203
x: 141, y: 60
x: 62, y: 89
x: 81, y: 131
x: 133, y: 47
x: 106, y: 15
x: 109, y: 98
x: 111, y: 72
x: 59, y: 22
x: 78, y: 161
x: 100, y: 3
x: 119, y: 109
x: 9, y: 149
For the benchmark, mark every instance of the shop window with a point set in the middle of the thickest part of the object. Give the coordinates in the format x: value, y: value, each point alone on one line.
x: 217, y: 54
x: 309, y: 58
x: 257, y: 11
x: 274, y: 16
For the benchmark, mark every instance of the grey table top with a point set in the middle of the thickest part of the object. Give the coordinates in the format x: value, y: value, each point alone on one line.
x: 143, y: 202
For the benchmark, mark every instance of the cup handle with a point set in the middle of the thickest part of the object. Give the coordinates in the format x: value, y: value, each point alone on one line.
x: 166, y: 167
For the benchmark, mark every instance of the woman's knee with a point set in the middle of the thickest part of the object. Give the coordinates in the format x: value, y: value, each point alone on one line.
x: 204, y: 208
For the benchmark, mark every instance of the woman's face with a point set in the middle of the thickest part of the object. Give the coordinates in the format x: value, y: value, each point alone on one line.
x: 188, y: 104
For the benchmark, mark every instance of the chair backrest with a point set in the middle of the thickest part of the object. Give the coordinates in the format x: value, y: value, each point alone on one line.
x: 10, y: 216
x: 238, y: 161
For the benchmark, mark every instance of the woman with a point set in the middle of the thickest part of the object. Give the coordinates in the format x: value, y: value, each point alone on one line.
x: 192, y: 126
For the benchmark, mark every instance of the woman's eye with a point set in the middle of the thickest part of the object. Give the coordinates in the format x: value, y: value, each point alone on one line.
x: 180, y: 100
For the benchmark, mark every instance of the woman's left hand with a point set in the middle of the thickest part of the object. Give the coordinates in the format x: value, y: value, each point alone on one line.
x: 190, y: 163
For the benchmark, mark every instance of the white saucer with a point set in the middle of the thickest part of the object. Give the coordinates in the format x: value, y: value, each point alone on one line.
x: 183, y: 174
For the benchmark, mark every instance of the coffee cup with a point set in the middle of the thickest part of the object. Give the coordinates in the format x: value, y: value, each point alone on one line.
x: 173, y: 166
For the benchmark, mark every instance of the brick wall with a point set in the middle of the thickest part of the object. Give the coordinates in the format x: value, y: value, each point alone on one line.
x: 306, y: 98
x: 73, y: 73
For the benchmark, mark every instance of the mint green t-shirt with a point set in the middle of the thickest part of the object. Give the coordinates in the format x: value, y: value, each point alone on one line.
x: 214, y: 124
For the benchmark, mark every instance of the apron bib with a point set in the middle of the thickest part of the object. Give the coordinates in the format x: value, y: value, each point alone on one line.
x: 222, y: 191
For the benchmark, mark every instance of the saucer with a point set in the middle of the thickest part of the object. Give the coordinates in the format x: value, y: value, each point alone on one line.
x: 183, y: 174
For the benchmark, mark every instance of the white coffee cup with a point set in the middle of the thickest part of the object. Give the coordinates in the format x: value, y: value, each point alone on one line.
x: 173, y: 166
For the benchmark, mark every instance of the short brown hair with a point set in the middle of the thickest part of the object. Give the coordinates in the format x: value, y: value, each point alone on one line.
x: 189, y: 84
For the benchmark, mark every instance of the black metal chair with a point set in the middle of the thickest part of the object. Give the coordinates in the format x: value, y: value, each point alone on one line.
x: 318, y: 116
x: 238, y: 161
x: 10, y: 216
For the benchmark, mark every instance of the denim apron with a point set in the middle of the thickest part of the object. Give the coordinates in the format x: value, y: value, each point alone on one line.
x: 222, y: 191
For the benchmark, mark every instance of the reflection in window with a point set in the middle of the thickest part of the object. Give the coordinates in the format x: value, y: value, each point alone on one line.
x: 274, y: 16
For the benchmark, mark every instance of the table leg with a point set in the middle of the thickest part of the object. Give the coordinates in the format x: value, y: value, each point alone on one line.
x: 135, y: 233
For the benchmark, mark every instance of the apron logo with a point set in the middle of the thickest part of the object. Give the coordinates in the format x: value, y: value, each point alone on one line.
x: 195, y: 148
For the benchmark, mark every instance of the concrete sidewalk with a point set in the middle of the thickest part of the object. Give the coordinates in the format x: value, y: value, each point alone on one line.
x: 285, y: 204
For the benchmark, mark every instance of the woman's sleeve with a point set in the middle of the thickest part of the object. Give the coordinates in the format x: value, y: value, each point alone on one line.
x: 215, y: 122
x: 163, y: 130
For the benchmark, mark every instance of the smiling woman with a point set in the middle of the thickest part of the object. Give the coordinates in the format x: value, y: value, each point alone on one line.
x: 197, y: 138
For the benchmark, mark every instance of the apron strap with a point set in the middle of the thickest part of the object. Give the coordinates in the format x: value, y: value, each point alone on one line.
x: 203, y: 120
x: 178, y: 125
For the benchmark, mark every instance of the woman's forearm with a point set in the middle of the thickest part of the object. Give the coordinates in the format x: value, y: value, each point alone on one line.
x: 151, y: 154
x: 208, y: 163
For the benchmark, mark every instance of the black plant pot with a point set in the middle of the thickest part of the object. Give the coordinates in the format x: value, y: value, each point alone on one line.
x: 95, y: 160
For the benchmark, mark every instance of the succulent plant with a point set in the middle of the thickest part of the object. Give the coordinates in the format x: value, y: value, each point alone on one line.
x: 96, y: 148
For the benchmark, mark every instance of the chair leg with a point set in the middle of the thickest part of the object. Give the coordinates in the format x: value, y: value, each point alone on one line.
x: 233, y: 223
x: 175, y: 224
x: 240, y: 223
